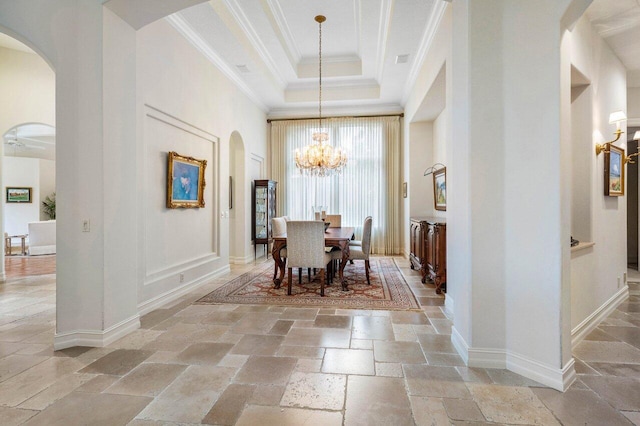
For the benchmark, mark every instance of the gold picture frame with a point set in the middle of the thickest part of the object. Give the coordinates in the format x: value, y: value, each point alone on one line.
x: 440, y: 189
x: 614, y: 171
x: 185, y: 181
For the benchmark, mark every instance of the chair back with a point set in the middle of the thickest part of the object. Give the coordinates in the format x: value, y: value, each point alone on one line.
x: 335, y: 220
x: 366, y: 235
x: 305, y: 244
x: 278, y: 226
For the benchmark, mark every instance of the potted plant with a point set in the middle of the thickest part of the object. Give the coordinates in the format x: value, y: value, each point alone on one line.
x: 49, y: 206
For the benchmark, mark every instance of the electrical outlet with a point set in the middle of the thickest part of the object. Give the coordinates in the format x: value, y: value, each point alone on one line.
x: 624, y: 278
x: 181, y: 278
x: 86, y: 225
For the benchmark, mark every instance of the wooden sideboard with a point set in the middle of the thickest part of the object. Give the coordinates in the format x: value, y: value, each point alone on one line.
x: 428, y: 236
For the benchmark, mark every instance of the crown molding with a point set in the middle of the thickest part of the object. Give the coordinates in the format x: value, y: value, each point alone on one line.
x: 180, y: 24
x: 283, y: 32
x: 357, y: 25
x: 336, y: 111
x: 250, y: 32
x: 386, y: 10
x: 425, y: 43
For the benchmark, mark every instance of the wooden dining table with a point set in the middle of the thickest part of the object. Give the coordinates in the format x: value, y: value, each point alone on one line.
x: 333, y: 237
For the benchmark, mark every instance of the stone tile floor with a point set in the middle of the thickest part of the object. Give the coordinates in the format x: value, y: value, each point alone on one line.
x: 261, y: 365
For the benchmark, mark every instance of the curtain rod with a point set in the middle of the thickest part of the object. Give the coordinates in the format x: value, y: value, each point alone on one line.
x: 401, y: 115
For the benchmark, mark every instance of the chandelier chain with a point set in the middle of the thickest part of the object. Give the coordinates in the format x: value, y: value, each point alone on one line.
x: 320, y: 75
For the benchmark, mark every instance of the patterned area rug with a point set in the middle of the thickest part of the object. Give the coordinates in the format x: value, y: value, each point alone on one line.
x: 388, y: 289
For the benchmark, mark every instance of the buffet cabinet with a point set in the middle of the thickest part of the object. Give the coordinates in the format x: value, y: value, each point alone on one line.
x: 428, y: 245
x: 264, y: 209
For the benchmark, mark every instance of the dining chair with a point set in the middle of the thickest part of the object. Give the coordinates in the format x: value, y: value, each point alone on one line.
x: 305, y: 249
x: 278, y: 228
x: 361, y: 252
x: 334, y: 220
x: 358, y: 242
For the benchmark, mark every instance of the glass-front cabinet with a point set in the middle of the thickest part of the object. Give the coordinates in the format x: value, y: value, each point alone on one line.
x: 264, y: 209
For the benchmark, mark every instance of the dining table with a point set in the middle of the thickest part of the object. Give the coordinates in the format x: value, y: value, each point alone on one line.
x: 333, y: 237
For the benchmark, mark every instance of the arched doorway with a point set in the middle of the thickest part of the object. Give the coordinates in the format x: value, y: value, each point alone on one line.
x: 237, y: 204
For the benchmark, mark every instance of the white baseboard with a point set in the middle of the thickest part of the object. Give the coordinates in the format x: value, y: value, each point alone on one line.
x: 173, y: 294
x: 96, y: 338
x: 236, y: 260
x: 557, y: 378
x: 591, y: 322
x: 487, y: 358
x: 449, y: 304
x: 460, y: 344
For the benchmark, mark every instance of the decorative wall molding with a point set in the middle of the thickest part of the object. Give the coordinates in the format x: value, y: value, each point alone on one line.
x: 557, y: 378
x: 591, y: 322
x: 96, y: 338
x: 236, y: 260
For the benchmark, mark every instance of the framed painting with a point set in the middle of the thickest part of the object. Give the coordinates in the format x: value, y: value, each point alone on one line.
x: 185, y: 183
x: 440, y: 189
x: 18, y: 195
x: 614, y: 171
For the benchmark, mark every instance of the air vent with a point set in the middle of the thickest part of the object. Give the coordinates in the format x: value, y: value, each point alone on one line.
x: 402, y: 59
x: 242, y: 68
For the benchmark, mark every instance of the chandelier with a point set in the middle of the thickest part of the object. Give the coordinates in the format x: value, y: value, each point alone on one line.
x: 319, y: 158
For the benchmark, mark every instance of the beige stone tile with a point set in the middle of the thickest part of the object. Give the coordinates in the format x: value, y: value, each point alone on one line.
x: 401, y: 352
x: 118, y: 362
x: 16, y: 364
x: 255, y: 323
x: 579, y: 407
x: 230, y: 338
x: 472, y: 374
x: 524, y: 406
x: 23, y: 386
x: 319, y: 337
x: 463, y: 409
x: 146, y: 380
x: 315, y: 390
x: 429, y: 411
x: 203, y: 353
x: 190, y: 396
x: 229, y: 406
x: 509, y: 378
x: 255, y: 415
x: 98, y: 383
x: 634, y: 416
x: 436, y: 343
x: 333, y: 321
x: 620, y: 370
x: 266, y: 370
x: 442, y: 326
x: 376, y: 328
x: 451, y: 360
x: 377, y: 400
x: 405, y: 317
x: 404, y: 332
x: 35, y: 349
x: 90, y: 409
x: 162, y: 357
x: 348, y: 361
x: 136, y: 339
x: 389, y: 369
x: 443, y: 382
x: 281, y: 327
x: 15, y: 416
x: 303, y: 324
x: 308, y: 365
x: 299, y: 314
x: 57, y: 390
x: 623, y: 393
x: 301, y: 351
x: 267, y: 395
x: 223, y: 318
x: 233, y: 361
x: 253, y: 344
x: 361, y: 344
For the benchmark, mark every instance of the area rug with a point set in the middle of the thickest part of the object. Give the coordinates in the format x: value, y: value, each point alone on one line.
x: 388, y: 289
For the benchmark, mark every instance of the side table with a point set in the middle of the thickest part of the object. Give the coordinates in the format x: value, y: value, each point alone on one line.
x: 8, y: 247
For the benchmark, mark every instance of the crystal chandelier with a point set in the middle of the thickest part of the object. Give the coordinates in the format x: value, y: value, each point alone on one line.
x: 319, y: 158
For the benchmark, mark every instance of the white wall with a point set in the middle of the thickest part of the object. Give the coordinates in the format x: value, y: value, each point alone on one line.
x: 419, y: 186
x: 175, y: 81
x: 47, y: 183
x: 595, y: 272
x: 633, y: 106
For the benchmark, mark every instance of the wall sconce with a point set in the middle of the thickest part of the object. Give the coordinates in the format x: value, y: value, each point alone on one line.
x: 433, y: 169
x: 617, y: 118
x: 627, y: 158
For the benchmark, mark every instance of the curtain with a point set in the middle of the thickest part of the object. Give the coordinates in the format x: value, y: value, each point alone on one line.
x: 369, y: 185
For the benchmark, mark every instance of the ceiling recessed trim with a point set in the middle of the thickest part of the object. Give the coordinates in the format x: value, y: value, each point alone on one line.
x: 180, y: 24
x: 252, y: 35
x: 283, y: 32
x: 386, y: 10
x: 336, y: 111
x: 427, y: 39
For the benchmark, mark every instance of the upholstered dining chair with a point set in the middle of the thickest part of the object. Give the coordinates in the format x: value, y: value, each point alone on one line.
x: 334, y: 220
x: 361, y: 252
x: 358, y: 242
x: 305, y: 249
x: 278, y: 228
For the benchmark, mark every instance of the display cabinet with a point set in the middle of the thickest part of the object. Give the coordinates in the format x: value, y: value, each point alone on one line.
x: 264, y: 209
x: 428, y: 244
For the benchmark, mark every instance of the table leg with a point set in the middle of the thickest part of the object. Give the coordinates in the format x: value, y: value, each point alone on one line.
x: 345, y: 257
x: 24, y: 250
x: 275, y: 253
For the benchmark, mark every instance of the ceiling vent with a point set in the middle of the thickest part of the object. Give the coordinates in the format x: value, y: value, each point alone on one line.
x: 242, y: 68
x: 402, y: 59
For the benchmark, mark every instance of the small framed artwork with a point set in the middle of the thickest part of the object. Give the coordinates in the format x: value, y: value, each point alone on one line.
x: 440, y: 189
x: 185, y: 183
x: 614, y: 171
x: 18, y: 195
x: 404, y: 190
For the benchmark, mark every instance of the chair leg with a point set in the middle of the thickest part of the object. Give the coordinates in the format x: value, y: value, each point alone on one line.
x: 322, y: 282
x: 366, y: 269
x: 309, y: 273
x: 275, y: 270
x: 299, y: 275
x: 289, y: 282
